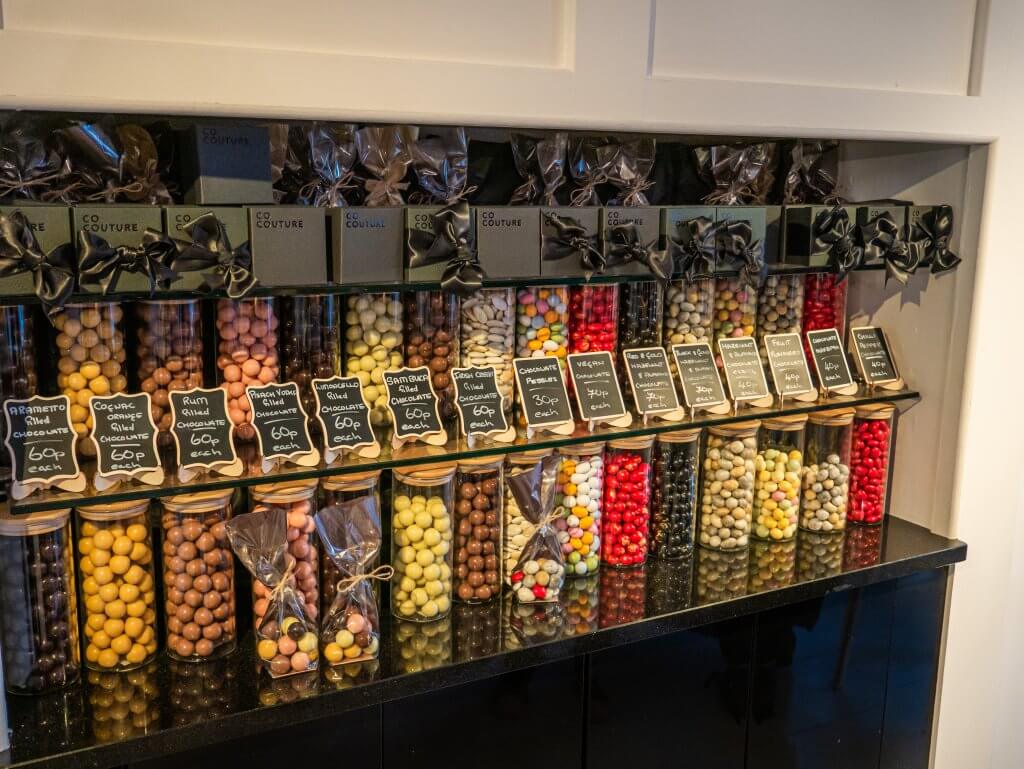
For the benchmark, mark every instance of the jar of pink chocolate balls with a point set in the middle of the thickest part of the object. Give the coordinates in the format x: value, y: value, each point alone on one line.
x: 246, y: 355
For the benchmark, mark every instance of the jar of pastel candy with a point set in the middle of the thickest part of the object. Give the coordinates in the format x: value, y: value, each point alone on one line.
x: 594, y: 317
x: 721, y: 575
x: 422, y: 497
x: 674, y: 498
x: 542, y: 322
x: 578, y: 502
x: 478, y: 522
x: 735, y: 309
x: 246, y: 355
x: 819, y: 555
x: 780, y: 308
x: 727, y: 485
x: 689, y: 312
x: 826, y: 485
x: 432, y: 340
x: 870, y: 455
x: 334, y: 490
x: 487, y: 335
x: 627, y: 501
x: 17, y: 362
x: 38, y: 602
x: 518, y: 529
x: 772, y: 564
x: 373, y: 345
x: 780, y: 466
x: 310, y: 344
x: 824, y: 304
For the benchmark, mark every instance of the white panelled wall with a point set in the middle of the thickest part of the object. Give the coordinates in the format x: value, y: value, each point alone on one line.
x: 945, y: 72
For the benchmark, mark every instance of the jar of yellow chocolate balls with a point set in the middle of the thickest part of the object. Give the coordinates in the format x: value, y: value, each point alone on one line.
x: 118, y: 587
x: 779, y: 468
x: 421, y: 552
x: 91, y: 355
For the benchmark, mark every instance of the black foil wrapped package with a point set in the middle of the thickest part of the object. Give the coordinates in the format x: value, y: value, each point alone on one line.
x: 30, y: 168
x: 492, y: 173
x: 690, y: 236
x: 326, y: 155
x: 766, y: 223
x: 570, y: 242
x: 541, y: 165
x: 440, y: 162
x: 37, y: 255
x: 589, y: 160
x: 385, y: 153
x: 226, y: 164
x: 883, y: 236
x: 212, y: 248
x: 741, y: 245
x: 629, y: 172
x: 739, y: 174
x: 122, y: 248
x: 812, y: 173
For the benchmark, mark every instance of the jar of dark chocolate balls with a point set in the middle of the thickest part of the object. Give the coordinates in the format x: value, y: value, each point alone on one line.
x: 333, y: 491
x: 432, y: 340
x: 674, y: 494
x: 641, y: 323
x: 199, y: 591
x: 310, y: 344
x: 478, y: 528
x: 17, y: 363
x: 38, y: 602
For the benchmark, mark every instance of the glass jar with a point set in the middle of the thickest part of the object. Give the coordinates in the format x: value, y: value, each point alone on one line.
x: 819, y: 555
x: 780, y: 308
x: 17, y: 363
x: 641, y: 317
x: 421, y: 505
x: 862, y: 547
x: 531, y: 624
x: 721, y: 575
x: 477, y: 630
x: 487, y: 336
x: 432, y: 340
x: 669, y: 585
x: 200, y: 693
x: 627, y: 501
x: 593, y: 318
x: 772, y: 565
x: 123, y: 704
x: 334, y: 490
x: 780, y: 469
x: 118, y: 585
x: 298, y: 501
x: 580, y: 597
x: 373, y: 345
x: 578, y: 502
x: 38, y: 602
x: 674, y: 498
x: 518, y: 529
x: 478, y: 524
x: 826, y: 486
x: 542, y: 322
x: 199, y: 576
x: 689, y: 313
x: 170, y: 355
x: 419, y: 646
x: 870, y: 454
x: 310, y: 344
x: 90, y: 360
x: 735, y: 310
x: 727, y: 485
x: 623, y: 596
x: 246, y: 355
x: 824, y: 304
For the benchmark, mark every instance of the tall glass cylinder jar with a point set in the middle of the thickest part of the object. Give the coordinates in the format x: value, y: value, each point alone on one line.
x: 627, y: 501
x: 772, y: 565
x: 824, y: 304
x: 373, y: 345
x: 780, y: 308
x: 246, y: 355
x: 478, y: 522
x: 199, y: 571
x: 421, y: 505
x: 780, y: 467
x: 333, y: 491
x: 727, y: 486
x: 593, y: 318
x: 90, y: 360
x: 542, y: 322
x: 735, y: 309
x: 487, y: 335
x: 17, y: 362
x: 310, y: 344
x: 689, y: 314
x: 826, y: 485
x: 674, y: 499
x: 38, y: 602
x: 578, y: 502
x: 170, y: 355
x: 641, y: 318
x: 870, y: 455
x: 118, y: 585
x: 432, y: 340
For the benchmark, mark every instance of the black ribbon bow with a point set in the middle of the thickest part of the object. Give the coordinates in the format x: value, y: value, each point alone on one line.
x: 450, y: 241
x: 883, y: 239
x: 53, y: 273
x: 101, y: 263
x: 835, y: 234
x: 228, y: 268
x: 624, y: 245
x: 936, y: 228
x: 736, y: 241
x: 571, y: 239
x: 696, y: 248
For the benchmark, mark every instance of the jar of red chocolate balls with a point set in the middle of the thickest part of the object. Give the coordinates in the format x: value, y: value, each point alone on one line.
x: 199, y: 570
x: 333, y: 491
x: 17, y: 363
x: 478, y: 525
x: 627, y: 501
x: 824, y: 304
x: 870, y: 454
x: 310, y: 344
x: 246, y: 355
x: 432, y: 340
x: 593, y: 318
x: 38, y: 602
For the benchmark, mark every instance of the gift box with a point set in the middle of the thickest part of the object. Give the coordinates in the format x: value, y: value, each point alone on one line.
x: 226, y: 165
x: 367, y: 244
x: 813, y: 232
x: 421, y: 219
x: 873, y: 219
x: 289, y: 245
x: 102, y: 233
x: 50, y: 226
x: 765, y: 225
x: 687, y: 240
x: 508, y: 241
x: 570, y: 241
x: 624, y: 227
x: 932, y: 228
x: 235, y: 221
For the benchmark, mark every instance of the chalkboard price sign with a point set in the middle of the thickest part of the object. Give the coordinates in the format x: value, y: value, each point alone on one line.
x: 479, y: 400
x: 124, y: 434
x: 743, y: 370
x: 702, y: 386
x: 343, y: 413
x: 412, y: 403
x: 40, y: 439
x: 788, y: 364
x: 280, y: 421
x: 829, y: 359
x: 596, y: 386
x: 873, y: 356
x: 542, y: 391
x: 201, y: 428
x: 651, y: 379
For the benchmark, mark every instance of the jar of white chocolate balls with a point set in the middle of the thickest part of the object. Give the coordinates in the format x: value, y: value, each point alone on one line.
x: 487, y: 336
x: 727, y: 486
x: 373, y: 345
x: 826, y: 481
x: 247, y: 332
x: 780, y: 467
x: 518, y: 529
x: 421, y: 541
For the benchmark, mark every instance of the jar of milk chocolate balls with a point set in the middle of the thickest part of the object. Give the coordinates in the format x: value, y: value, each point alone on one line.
x: 310, y: 344
x: 373, y: 345
x: 247, y: 331
x: 431, y: 339
x: 478, y: 519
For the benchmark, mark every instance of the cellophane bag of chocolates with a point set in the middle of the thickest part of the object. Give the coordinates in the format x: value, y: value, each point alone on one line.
x: 812, y: 174
x: 589, y: 160
x: 629, y: 171
x: 541, y: 164
x: 318, y: 165
x: 384, y: 155
x: 739, y: 174
x: 440, y: 161
x: 540, y: 571
x: 30, y: 168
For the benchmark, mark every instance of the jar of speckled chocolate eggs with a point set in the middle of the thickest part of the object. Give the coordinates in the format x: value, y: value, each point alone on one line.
x: 247, y: 332
x: 422, y: 498
x: 780, y: 468
x: 310, y: 344
x: 432, y: 339
x: 826, y: 484
x: 335, y: 490
x: 735, y: 309
x: 487, y: 330
x: 674, y: 496
x: 478, y: 522
x: 373, y: 345
x: 542, y: 322
x: 17, y: 362
x: 780, y: 308
x: 578, y: 501
x: 518, y: 528
x: 727, y: 486
x: 689, y: 315
x: 870, y: 455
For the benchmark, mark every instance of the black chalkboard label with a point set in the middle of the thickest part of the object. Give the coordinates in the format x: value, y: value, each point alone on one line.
x: 343, y: 413
x: 40, y: 439
x: 412, y: 402
x: 743, y: 370
x: 651, y: 379
x: 479, y: 400
x: 279, y: 420
x: 829, y: 358
x: 542, y: 391
x: 873, y: 356
x: 201, y: 428
x: 702, y: 386
x: 124, y: 434
x: 596, y: 385
x: 788, y: 364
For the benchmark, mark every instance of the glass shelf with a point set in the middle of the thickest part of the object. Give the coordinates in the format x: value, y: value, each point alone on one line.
x: 418, y: 453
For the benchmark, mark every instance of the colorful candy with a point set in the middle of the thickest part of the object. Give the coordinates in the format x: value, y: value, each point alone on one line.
x: 578, y: 501
x: 779, y: 466
x: 542, y: 317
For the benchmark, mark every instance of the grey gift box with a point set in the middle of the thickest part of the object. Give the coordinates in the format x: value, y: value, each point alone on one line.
x: 648, y: 229
x: 508, y: 241
x: 802, y: 226
x: 366, y: 244
x: 765, y: 225
x: 226, y: 164
x: 421, y: 218
x: 176, y: 218
x: 915, y: 215
x: 672, y: 219
x: 119, y: 225
x: 869, y: 211
x: 289, y: 245
x: 589, y: 218
x: 51, y: 226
